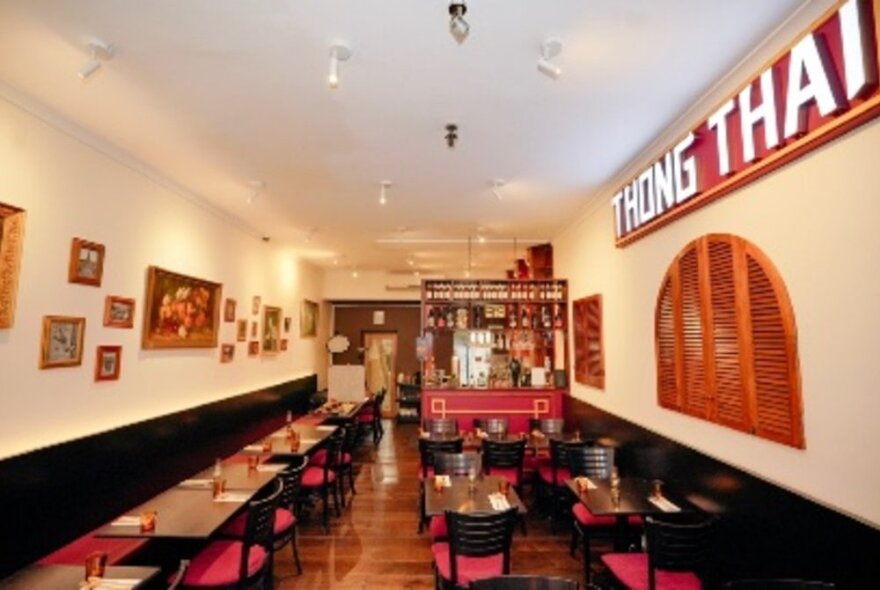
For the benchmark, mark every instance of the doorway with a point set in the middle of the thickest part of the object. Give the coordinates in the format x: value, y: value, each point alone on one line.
x: 380, y: 363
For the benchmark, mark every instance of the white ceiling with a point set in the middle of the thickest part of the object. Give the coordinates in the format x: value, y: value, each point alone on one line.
x: 215, y: 93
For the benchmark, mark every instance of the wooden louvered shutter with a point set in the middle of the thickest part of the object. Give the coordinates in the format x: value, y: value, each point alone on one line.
x: 726, y: 340
x: 589, y: 355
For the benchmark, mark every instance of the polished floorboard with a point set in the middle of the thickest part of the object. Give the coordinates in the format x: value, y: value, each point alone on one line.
x: 375, y: 543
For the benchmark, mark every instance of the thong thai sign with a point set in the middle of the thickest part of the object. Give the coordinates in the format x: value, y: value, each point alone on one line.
x: 824, y: 85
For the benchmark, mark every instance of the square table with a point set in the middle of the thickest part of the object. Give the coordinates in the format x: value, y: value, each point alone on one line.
x: 238, y: 478
x: 311, y: 438
x: 68, y: 577
x: 457, y: 497
x: 342, y: 415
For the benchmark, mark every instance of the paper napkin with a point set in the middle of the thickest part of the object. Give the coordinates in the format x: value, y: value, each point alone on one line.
x: 271, y: 467
x: 664, y: 504
x: 127, y: 521
x: 232, y: 497
x: 498, y: 501
x: 195, y: 483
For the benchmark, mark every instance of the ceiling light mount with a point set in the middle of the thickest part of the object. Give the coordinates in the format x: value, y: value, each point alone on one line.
x: 451, y: 135
x: 550, y: 48
x: 338, y: 52
x: 383, y: 188
x: 458, y: 27
x: 258, y: 186
x: 497, y: 183
x: 99, y: 52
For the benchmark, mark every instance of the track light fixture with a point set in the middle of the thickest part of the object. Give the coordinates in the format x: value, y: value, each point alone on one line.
x: 99, y: 52
x: 338, y: 53
x: 550, y: 48
x: 383, y: 198
x: 496, y: 188
x: 310, y: 233
x: 451, y: 135
x: 458, y: 27
x: 257, y: 186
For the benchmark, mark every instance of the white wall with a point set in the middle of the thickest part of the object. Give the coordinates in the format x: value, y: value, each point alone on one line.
x: 817, y: 220
x: 71, y: 190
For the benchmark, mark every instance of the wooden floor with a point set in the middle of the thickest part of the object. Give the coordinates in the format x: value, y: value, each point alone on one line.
x: 375, y: 543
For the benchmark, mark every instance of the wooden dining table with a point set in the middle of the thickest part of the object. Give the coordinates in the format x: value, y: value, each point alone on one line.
x: 459, y: 498
x: 68, y: 577
x: 341, y: 414
x: 310, y: 438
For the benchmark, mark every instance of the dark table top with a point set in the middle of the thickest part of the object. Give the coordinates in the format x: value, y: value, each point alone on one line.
x: 341, y: 414
x: 311, y: 438
x: 238, y: 477
x: 472, y: 442
x: 634, y: 498
x: 458, y: 498
x: 68, y: 577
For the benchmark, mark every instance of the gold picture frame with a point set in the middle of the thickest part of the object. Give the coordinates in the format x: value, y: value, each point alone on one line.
x: 308, y: 319
x: 180, y: 311
x: 11, y: 241
x: 86, y: 265
x: 241, y: 330
x: 271, y: 340
x: 108, y: 363
x: 61, y: 344
x: 118, y: 312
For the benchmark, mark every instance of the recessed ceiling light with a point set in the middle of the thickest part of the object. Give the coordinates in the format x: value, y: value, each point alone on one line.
x: 410, y: 261
x: 550, y: 49
x: 338, y: 53
x: 354, y: 274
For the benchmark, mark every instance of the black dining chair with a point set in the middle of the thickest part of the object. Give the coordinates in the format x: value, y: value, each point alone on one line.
x: 452, y: 464
x: 596, y: 462
x: 524, y: 583
x: 675, y: 557
x: 239, y: 564
x: 322, y: 479
x: 551, y: 478
x: 776, y: 584
x: 428, y: 449
x: 478, y: 547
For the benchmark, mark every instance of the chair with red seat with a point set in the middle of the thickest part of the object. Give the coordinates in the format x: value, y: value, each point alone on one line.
x: 427, y: 450
x: 345, y: 462
x: 478, y: 548
x: 524, y: 583
x: 369, y: 419
x: 321, y: 479
x: 496, y: 427
x: 239, y: 564
x: 452, y: 464
x: 675, y: 556
x: 598, y: 462
x: 286, y: 514
x: 551, y: 477
x: 505, y: 459
x: 546, y: 427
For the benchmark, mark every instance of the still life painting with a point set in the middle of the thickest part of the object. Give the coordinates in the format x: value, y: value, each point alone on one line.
x: 181, y: 311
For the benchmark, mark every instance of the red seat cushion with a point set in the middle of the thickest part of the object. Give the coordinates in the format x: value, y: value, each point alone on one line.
x: 318, y: 458
x: 430, y: 473
x: 75, y: 552
x: 587, y: 518
x: 365, y: 418
x: 284, y: 519
x: 437, y: 527
x: 218, y: 564
x: 511, y: 473
x: 469, y: 568
x: 532, y: 463
x: 345, y: 459
x: 545, y: 472
x: 313, y: 477
x: 632, y: 570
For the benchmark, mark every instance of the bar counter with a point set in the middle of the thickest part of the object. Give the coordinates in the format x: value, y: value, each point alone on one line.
x: 517, y: 404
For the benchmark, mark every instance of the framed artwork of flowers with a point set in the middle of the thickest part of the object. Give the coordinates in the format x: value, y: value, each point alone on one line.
x: 86, y: 263
x: 271, y: 329
x: 180, y: 311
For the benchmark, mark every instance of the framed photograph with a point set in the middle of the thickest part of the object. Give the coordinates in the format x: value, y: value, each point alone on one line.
x: 287, y: 325
x: 11, y: 242
x: 254, y: 327
x: 255, y: 305
x: 86, y: 262
x: 118, y: 312
x: 62, y: 342
x: 229, y: 310
x: 283, y: 344
x: 227, y: 353
x: 108, y: 363
x: 253, y: 348
x: 308, y: 319
x: 271, y: 329
x: 241, y: 330
x: 180, y: 311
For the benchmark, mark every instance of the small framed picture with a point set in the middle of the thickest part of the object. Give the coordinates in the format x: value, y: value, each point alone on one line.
x: 286, y: 325
x: 241, y: 330
x: 62, y: 341
x: 86, y: 262
x: 254, y: 327
x: 308, y: 319
x: 108, y: 363
x: 229, y: 310
x: 284, y: 344
x: 271, y: 329
x: 253, y: 348
x: 255, y: 305
x: 227, y: 353
x: 118, y: 312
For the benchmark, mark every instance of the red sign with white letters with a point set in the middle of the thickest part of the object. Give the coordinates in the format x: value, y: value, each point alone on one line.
x: 824, y: 85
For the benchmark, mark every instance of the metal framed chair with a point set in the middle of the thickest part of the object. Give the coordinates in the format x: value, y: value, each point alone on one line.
x: 428, y: 450
x: 478, y: 547
x: 524, y: 583
x: 551, y: 477
x: 321, y: 479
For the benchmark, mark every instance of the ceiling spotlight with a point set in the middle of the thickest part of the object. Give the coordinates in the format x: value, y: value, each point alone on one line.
x: 99, y: 52
x: 338, y: 53
x: 382, y: 191
x: 258, y: 186
x: 451, y: 135
x: 354, y: 274
x: 410, y: 261
x: 335, y: 262
x: 496, y: 188
x: 458, y: 27
x: 550, y: 49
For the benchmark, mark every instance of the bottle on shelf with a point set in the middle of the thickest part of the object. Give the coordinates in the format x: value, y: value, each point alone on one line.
x: 429, y: 321
x: 557, y: 317
x: 450, y: 318
x: 524, y: 317
x: 441, y: 319
x: 511, y: 317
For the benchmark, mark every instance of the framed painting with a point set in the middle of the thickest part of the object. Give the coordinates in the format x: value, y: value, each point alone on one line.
x: 253, y: 348
x: 11, y: 241
x: 180, y: 311
x: 62, y: 341
x: 255, y: 305
x: 283, y: 344
x: 229, y: 310
x: 241, y: 330
x: 254, y: 327
x: 118, y: 312
x: 108, y: 363
x: 287, y: 321
x: 308, y: 319
x: 271, y: 329
x: 227, y: 353
x: 86, y: 262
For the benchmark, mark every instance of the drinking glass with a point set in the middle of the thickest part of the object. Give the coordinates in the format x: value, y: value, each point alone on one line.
x: 219, y: 485
x: 438, y: 484
x: 504, y: 486
x: 96, y: 562
x: 148, y: 520
x: 253, y: 460
x: 657, y: 488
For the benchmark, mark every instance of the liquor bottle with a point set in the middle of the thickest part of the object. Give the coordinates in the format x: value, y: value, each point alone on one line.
x: 478, y: 316
x: 524, y: 318
x: 557, y: 318
x: 545, y: 317
x: 511, y: 317
x: 430, y: 320
x: 450, y: 318
x: 441, y: 319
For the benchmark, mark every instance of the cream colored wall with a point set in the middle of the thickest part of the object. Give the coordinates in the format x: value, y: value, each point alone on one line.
x: 70, y: 190
x: 818, y: 221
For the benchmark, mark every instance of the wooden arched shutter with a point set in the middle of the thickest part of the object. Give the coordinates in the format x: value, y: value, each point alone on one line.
x: 726, y: 340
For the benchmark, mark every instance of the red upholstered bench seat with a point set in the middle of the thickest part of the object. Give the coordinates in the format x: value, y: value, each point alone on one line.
x: 75, y: 552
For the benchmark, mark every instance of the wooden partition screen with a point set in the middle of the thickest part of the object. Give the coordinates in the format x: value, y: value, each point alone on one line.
x: 726, y: 340
x: 589, y: 357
